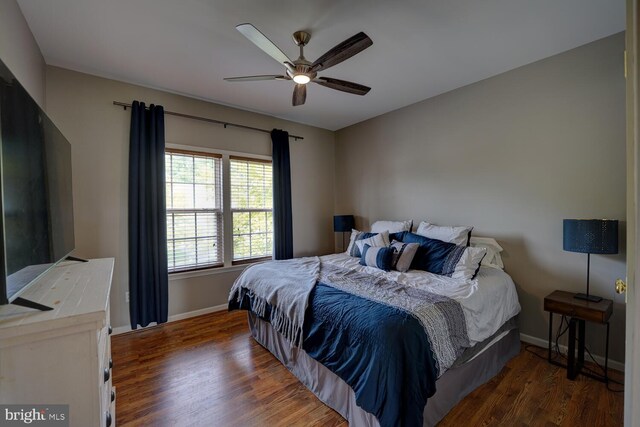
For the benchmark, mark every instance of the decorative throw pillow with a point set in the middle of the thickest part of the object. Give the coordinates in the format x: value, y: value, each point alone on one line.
x: 377, y: 240
x: 391, y: 226
x: 458, y: 235
x: 403, y: 254
x: 444, y: 258
x: 373, y: 239
x: 379, y: 257
x: 493, y: 258
x: 355, y: 235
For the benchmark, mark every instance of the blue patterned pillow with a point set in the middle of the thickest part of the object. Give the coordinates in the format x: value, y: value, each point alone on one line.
x: 380, y: 257
x: 444, y: 258
x: 397, y: 236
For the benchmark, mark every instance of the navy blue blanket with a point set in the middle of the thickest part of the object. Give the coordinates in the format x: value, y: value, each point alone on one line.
x: 382, y: 352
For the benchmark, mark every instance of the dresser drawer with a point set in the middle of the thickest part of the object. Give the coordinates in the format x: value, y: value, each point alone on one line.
x: 106, y: 365
x: 565, y: 303
x: 108, y: 399
x: 104, y: 351
x: 105, y: 386
x: 105, y: 374
x: 108, y: 408
x: 112, y: 410
x: 104, y: 346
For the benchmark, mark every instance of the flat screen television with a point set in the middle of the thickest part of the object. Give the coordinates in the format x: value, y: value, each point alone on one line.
x: 36, y: 204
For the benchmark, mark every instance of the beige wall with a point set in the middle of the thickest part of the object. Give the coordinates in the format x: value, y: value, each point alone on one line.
x: 511, y: 155
x: 81, y: 106
x: 19, y: 50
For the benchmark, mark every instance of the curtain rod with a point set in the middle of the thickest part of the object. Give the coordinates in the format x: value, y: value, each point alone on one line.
x: 205, y: 119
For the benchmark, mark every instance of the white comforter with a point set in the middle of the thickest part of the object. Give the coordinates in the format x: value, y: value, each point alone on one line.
x: 488, y: 301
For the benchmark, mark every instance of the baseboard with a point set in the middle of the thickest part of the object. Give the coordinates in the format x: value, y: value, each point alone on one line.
x: 618, y: 366
x: 180, y: 316
x: 200, y: 312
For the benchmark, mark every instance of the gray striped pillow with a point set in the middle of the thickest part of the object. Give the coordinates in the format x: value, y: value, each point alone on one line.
x: 403, y: 254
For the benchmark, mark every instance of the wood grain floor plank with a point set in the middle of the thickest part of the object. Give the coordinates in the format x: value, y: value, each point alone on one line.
x: 207, y: 370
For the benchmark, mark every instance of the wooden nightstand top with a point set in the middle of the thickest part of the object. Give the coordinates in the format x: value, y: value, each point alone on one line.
x: 563, y: 302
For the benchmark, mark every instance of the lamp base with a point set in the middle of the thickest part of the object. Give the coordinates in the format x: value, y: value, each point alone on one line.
x: 590, y: 298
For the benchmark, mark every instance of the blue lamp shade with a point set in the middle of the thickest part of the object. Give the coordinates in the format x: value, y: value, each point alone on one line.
x: 343, y: 223
x: 591, y: 236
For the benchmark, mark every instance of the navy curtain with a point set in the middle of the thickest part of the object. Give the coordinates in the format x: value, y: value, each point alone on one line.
x: 282, y: 222
x: 148, y: 277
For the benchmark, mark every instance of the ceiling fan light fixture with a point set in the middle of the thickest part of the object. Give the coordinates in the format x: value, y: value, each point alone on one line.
x: 301, y: 79
x: 302, y: 71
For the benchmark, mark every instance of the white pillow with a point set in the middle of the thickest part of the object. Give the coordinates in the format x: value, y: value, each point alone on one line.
x: 493, y: 258
x: 458, y: 235
x: 391, y: 226
x: 469, y: 263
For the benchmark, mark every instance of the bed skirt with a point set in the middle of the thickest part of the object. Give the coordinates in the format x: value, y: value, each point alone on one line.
x: 452, y: 387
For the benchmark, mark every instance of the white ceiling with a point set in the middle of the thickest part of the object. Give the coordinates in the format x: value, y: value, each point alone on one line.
x: 421, y: 48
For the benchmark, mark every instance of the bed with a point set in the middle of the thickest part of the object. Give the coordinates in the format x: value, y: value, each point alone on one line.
x: 372, y: 370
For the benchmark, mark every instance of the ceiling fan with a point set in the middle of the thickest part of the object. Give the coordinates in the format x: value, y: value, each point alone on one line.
x: 301, y: 71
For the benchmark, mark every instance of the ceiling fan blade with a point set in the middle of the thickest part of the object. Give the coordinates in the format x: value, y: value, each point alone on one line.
x: 256, y: 78
x: 260, y: 40
x: 343, y: 85
x: 342, y: 51
x: 299, y: 95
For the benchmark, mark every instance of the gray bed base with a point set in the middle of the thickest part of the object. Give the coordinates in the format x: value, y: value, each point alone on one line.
x: 451, y: 387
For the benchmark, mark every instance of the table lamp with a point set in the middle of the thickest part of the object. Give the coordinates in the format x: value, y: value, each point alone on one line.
x: 342, y: 224
x: 590, y: 236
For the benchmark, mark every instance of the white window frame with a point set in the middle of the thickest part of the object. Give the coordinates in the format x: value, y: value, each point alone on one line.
x: 227, y: 222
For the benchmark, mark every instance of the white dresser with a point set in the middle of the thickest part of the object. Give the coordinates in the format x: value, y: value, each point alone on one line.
x: 62, y: 356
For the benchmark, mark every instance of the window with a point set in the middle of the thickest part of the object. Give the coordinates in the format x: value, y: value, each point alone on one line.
x: 194, y: 210
x: 211, y: 221
x: 251, y: 208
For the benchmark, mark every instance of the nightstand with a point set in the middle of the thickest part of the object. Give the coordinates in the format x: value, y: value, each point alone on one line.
x: 580, y: 311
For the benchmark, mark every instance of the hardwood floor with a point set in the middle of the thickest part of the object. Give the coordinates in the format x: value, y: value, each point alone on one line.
x: 207, y: 371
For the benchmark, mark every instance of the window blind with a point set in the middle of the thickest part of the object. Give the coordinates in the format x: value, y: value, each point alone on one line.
x: 194, y: 210
x: 251, y: 185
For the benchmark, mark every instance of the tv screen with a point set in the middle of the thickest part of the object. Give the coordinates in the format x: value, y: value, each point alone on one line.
x: 37, y: 204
